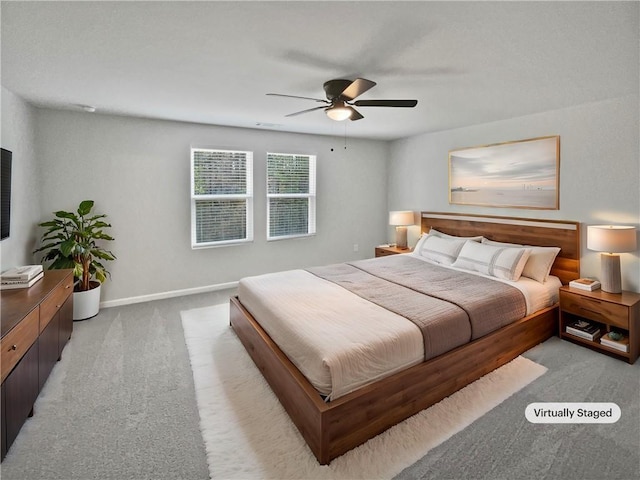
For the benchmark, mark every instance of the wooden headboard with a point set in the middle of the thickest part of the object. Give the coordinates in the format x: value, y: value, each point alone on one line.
x: 526, y: 231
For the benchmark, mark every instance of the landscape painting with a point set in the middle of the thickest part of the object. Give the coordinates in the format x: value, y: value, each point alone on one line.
x: 521, y: 174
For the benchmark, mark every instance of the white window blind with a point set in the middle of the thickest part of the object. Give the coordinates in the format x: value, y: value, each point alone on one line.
x: 221, y: 197
x: 291, y: 195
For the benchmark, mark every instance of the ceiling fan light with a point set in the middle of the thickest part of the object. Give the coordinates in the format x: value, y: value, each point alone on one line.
x: 338, y: 113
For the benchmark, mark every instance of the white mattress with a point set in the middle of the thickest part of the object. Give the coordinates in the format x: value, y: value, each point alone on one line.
x: 339, y: 341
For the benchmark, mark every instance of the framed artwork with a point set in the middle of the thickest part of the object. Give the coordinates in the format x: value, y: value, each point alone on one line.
x: 520, y: 174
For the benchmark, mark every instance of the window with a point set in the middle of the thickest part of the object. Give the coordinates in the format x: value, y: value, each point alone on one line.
x: 291, y: 195
x: 221, y: 197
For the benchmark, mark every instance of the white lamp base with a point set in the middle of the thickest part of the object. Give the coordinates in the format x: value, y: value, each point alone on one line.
x: 611, y: 279
x: 401, y: 237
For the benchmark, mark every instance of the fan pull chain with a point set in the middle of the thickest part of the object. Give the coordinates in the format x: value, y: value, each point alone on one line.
x: 345, y: 136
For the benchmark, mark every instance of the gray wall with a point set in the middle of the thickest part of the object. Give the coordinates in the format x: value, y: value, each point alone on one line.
x: 137, y: 171
x: 18, y: 136
x: 599, y: 170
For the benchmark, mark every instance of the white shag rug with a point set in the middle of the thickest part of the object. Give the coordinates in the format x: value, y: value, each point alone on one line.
x: 248, y: 435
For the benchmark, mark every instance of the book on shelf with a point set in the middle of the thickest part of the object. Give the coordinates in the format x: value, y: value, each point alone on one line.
x: 583, y: 329
x: 23, y: 274
x: 589, y: 284
x: 622, y: 344
x: 6, y: 285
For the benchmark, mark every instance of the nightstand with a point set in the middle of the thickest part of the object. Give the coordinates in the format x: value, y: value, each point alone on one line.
x: 617, y: 311
x: 384, y: 251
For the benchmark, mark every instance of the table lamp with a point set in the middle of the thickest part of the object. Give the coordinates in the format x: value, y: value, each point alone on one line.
x: 401, y: 220
x: 611, y: 240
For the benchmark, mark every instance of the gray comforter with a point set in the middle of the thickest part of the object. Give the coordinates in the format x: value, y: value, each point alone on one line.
x: 450, y: 307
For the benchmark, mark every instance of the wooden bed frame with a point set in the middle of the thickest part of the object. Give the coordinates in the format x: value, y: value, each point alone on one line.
x: 333, y: 428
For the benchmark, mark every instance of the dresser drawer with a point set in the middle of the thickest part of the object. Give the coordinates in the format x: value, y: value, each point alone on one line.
x: 54, y: 301
x: 595, y: 309
x: 17, y: 342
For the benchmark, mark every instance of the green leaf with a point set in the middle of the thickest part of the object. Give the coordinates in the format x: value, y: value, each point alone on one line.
x: 67, y: 247
x: 46, y: 247
x: 52, y: 255
x: 104, y: 236
x: 57, y: 228
x: 95, y: 217
x: 61, y: 263
x: 63, y: 214
x: 51, y: 223
x: 100, y: 225
x: 103, y: 254
x: 85, y: 207
x: 53, y: 233
x: 77, y: 270
x: 100, y: 276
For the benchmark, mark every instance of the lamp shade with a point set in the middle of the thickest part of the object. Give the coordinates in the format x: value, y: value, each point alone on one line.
x: 611, y: 238
x: 402, y: 218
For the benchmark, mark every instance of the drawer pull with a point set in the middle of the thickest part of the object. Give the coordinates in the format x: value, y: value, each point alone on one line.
x: 591, y: 311
x: 14, y: 347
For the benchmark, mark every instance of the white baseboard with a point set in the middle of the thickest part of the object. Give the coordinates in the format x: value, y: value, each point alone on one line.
x: 171, y: 294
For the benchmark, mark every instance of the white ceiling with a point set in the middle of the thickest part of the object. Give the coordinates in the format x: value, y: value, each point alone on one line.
x: 213, y: 62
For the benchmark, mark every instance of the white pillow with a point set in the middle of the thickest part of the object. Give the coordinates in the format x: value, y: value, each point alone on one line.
x: 421, y: 240
x: 437, y: 233
x: 499, y: 262
x: 540, y: 261
x: 439, y: 249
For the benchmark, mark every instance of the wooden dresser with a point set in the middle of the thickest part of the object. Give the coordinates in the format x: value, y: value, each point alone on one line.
x: 36, y: 325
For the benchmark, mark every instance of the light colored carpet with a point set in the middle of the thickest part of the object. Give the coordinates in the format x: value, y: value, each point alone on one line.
x: 120, y: 405
x: 248, y: 434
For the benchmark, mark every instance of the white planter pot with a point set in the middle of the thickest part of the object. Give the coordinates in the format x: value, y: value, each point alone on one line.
x: 86, y: 304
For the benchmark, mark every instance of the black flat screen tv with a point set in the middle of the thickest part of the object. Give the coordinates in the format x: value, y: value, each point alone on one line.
x: 5, y: 194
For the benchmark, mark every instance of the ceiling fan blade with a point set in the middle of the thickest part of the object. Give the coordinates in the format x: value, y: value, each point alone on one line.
x: 355, y: 115
x: 357, y: 88
x: 305, y: 111
x: 295, y: 96
x: 386, y: 103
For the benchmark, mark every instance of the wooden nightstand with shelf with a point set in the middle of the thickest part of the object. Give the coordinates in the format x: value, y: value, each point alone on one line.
x: 388, y: 250
x: 610, y: 311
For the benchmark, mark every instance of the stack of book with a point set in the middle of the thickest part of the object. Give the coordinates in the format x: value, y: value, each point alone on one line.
x: 584, y: 329
x: 21, y: 277
x: 622, y: 344
x: 589, y: 284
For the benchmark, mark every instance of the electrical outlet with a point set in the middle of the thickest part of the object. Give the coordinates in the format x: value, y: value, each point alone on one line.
x: 355, y: 247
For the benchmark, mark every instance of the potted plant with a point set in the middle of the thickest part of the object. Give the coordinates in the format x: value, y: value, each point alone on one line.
x: 70, y: 241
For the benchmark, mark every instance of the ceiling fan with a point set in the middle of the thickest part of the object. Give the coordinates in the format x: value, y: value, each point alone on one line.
x: 340, y: 99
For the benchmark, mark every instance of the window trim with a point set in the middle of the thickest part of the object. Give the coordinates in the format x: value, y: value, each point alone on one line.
x: 247, y: 196
x: 311, y: 224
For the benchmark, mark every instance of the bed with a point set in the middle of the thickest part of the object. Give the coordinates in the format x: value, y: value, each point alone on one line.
x: 335, y: 420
